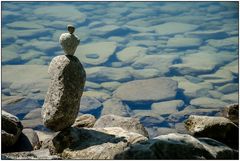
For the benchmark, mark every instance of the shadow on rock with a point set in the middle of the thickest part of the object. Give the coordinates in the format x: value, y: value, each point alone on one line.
x: 81, y: 138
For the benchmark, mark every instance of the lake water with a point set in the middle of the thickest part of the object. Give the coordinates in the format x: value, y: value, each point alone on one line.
x: 194, y: 44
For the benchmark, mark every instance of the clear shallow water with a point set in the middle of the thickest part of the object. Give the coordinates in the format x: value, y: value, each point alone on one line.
x: 193, y: 43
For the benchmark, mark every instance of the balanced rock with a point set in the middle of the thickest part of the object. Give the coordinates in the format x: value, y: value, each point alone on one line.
x: 127, y: 123
x: 62, y: 101
x: 218, y: 128
x: 69, y: 41
x: 11, y: 129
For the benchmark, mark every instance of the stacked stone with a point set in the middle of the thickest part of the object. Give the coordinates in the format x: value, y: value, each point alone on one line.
x: 62, y: 102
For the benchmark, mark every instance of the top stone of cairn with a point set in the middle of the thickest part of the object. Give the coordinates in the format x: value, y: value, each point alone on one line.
x: 69, y: 41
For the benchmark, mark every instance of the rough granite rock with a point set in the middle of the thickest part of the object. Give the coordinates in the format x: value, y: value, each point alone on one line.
x: 177, y: 146
x: 62, y: 101
x: 218, y: 128
x: 69, y: 43
x: 11, y: 129
x: 42, y: 154
x: 93, y: 143
x: 232, y: 113
x: 85, y: 120
x: 157, y: 89
x: 127, y: 123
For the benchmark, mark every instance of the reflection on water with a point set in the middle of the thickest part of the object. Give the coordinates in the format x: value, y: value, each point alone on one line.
x: 193, y: 43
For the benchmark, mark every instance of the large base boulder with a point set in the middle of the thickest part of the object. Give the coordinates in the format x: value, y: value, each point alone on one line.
x: 92, y: 143
x: 218, y: 128
x: 177, y: 146
x: 62, y: 101
x: 11, y: 129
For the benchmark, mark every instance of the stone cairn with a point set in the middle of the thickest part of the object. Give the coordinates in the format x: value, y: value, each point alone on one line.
x: 62, y: 102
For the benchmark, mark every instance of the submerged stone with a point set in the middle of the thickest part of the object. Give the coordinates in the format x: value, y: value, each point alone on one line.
x: 157, y: 89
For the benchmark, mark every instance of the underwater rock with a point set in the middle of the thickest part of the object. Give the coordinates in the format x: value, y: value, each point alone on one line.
x: 231, y: 98
x: 106, y: 74
x: 96, y: 53
x: 33, y: 120
x: 218, y: 128
x: 116, y: 107
x: 127, y: 123
x: 183, y: 42
x: 129, y: 54
x: 11, y: 129
x: 184, y: 114
x: 89, y: 104
x: 156, y: 89
x: 30, y: 77
x: 101, y: 96
x: 167, y: 107
x: 193, y: 90
x: 20, y: 106
x: 54, y: 13
x: 159, y: 62
x: 62, y: 101
x: 171, y: 28
x: 194, y: 64
x: 206, y: 102
x: 228, y: 88
x: 110, y: 86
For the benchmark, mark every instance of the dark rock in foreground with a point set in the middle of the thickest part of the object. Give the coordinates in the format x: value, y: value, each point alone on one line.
x: 92, y: 143
x: 218, y: 128
x: 27, y: 141
x: 177, y: 146
x: 127, y: 123
x: 232, y: 113
x: 11, y: 129
x: 62, y: 101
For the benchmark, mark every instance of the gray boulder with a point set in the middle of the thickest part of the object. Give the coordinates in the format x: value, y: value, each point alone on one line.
x: 92, y: 143
x: 157, y: 89
x: 85, y: 120
x: 177, y: 146
x: 62, y: 101
x: 11, y: 129
x: 218, y: 128
x: 127, y: 123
